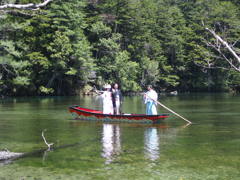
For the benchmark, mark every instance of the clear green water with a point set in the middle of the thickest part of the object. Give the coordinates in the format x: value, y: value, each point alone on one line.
x: 207, y: 149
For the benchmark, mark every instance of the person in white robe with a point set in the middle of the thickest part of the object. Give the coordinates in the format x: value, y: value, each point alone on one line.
x: 150, y: 99
x: 107, y: 100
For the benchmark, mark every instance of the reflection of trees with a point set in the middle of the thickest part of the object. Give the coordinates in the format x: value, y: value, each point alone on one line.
x: 111, y: 141
x: 151, y: 143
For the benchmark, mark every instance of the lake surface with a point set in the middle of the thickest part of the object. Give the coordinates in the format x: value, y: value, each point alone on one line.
x: 207, y: 149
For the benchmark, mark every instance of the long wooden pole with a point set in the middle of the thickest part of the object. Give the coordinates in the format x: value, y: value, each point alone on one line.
x: 173, y: 112
x: 170, y: 110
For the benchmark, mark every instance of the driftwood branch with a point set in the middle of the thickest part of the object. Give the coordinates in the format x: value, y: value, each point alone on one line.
x: 49, y: 145
x: 30, y: 6
x: 5, y: 154
x: 7, y: 157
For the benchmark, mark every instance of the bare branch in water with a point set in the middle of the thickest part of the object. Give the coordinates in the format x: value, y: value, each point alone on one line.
x: 49, y: 145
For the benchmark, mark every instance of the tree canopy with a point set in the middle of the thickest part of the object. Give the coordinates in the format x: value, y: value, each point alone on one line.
x: 65, y: 46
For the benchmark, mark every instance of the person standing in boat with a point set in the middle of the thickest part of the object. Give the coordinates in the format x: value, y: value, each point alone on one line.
x: 107, y: 100
x: 150, y: 98
x: 116, y: 99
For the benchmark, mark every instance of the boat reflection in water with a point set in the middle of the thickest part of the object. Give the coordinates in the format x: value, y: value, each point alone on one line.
x: 111, y: 141
x: 151, y: 143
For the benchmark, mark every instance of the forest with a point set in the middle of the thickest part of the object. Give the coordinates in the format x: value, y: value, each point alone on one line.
x: 70, y: 46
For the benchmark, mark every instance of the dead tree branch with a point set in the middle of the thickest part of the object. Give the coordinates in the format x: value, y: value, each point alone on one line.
x: 217, y: 48
x: 30, y: 6
x: 219, y: 43
x: 49, y: 145
x: 225, y: 44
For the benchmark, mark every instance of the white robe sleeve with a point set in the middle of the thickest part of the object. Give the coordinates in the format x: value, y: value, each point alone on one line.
x: 151, y: 96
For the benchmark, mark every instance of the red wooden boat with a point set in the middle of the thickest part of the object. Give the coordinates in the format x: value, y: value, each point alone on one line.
x: 96, y: 115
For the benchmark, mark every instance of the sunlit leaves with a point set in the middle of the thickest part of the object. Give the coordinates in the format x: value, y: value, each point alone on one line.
x: 45, y: 90
x: 21, y: 80
x: 72, y: 71
x: 127, y: 72
x: 9, y: 48
x: 100, y: 29
x: 60, y: 50
x: 37, y: 58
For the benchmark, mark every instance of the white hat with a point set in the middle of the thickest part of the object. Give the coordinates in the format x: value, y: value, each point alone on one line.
x: 107, y: 86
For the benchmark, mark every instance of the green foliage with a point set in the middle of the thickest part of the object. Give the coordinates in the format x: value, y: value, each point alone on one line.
x: 233, y: 81
x: 100, y: 29
x: 55, y: 47
x: 73, y: 44
x: 150, y: 74
x: 45, y: 90
x: 114, y: 64
x: 126, y: 72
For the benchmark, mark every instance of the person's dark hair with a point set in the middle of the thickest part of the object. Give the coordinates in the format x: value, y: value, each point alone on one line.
x: 149, y: 86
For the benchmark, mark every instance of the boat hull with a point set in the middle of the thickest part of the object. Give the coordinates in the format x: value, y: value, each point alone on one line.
x: 96, y: 115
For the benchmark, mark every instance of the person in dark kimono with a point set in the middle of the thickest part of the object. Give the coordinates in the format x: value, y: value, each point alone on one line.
x: 116, y: 98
